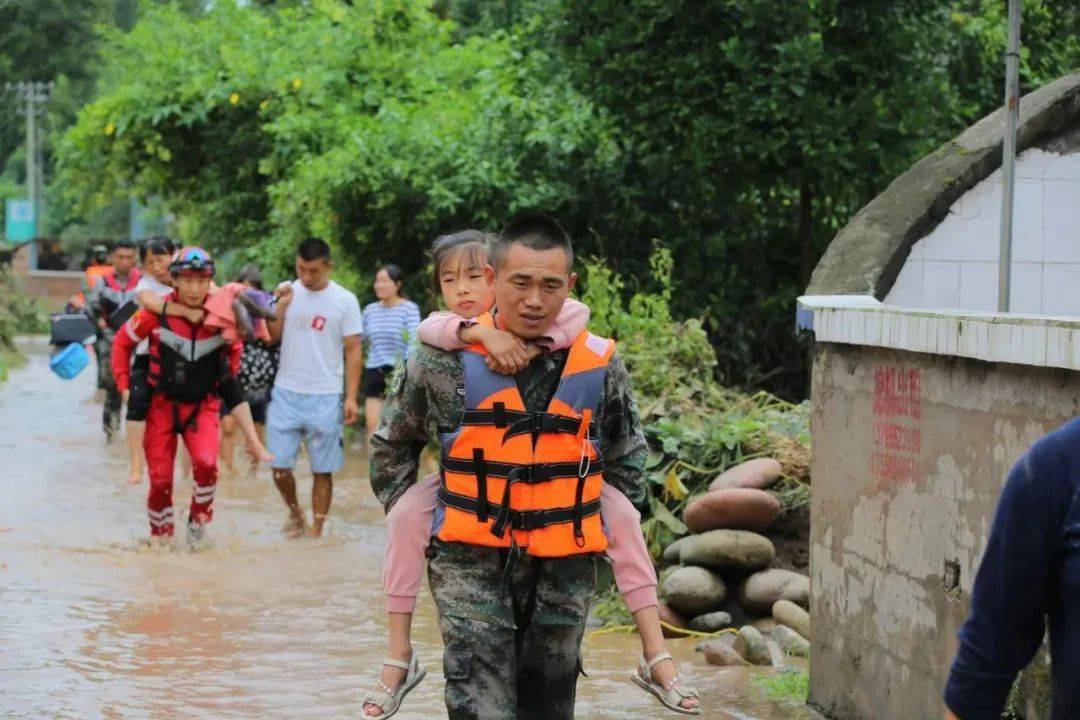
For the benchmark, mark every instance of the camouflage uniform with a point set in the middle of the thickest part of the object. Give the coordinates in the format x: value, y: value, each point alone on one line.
x: 110, y: 414
x: 512, y: 631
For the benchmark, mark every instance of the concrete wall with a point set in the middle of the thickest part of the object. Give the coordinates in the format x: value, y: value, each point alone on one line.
x: 955, y: 265
x: 910, y: 452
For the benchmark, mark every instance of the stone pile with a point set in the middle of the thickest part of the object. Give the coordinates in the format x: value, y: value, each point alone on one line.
x: 721, y: 575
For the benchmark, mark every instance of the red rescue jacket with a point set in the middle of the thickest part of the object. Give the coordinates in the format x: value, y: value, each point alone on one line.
x: 187, y: 362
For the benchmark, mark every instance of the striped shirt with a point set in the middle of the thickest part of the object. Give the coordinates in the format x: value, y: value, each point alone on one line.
x: 388, y: 331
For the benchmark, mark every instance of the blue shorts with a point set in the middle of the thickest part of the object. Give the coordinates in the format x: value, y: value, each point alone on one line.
x: 314, y: 419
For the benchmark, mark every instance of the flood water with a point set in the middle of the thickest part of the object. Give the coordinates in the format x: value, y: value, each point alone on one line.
x: 257, y: 626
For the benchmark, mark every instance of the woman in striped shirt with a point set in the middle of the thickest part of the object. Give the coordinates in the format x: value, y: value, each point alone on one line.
x: 389, y: 328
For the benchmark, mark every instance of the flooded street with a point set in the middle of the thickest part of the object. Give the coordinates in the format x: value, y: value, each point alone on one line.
x: 255, y: 627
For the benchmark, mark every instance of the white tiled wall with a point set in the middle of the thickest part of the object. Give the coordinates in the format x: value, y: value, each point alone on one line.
x: 955, y: 266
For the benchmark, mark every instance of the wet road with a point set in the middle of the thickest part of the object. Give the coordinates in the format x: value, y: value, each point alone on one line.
x: 91, y: 626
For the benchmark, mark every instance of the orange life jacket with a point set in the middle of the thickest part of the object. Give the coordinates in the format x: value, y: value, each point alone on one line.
x: 93, y: 272
x: 512, y: 477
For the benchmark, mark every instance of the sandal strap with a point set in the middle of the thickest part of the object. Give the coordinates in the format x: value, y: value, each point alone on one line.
x: 658, y: 659
x: 396, y: 663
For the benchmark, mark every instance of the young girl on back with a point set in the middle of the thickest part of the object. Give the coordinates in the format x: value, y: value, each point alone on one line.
x: 464, y: 278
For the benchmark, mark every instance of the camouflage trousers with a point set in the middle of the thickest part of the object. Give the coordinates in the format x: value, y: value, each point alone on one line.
x: 110, y: 416
x: 513, y: 643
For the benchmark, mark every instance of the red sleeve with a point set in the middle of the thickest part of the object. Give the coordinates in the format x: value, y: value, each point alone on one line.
x: 127, y: 337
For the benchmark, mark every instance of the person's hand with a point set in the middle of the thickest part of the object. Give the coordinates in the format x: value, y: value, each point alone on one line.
x: 101, y: 323
x: 507, y: 354
x: 125, y: 395
x: 950, y: 716
x: 352, y: 411
x: 283, y: 292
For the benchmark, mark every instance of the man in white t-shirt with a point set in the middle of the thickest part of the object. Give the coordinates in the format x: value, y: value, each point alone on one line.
x: 319, y: 325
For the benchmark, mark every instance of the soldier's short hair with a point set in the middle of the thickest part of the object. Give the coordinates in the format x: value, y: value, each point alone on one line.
x: 536, y: 231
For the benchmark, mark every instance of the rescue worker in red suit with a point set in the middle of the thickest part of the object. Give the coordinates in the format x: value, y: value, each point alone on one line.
x: 192, y: 370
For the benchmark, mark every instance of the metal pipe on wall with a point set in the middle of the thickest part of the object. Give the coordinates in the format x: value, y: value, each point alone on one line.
x: 1008, y: 162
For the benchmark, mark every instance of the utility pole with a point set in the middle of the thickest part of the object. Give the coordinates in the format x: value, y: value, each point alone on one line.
x: 1008, y: 150
x: 31, y: 96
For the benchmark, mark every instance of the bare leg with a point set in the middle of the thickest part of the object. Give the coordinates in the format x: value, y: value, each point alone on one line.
x: 322, y: 492
x: 647, y: 620
x: 260, y: 429
x: 286, y: 485
x: 228, y: 443
x: 400, y: 648
x: 136, y: 429
x: 372, y: 410
x: 255, y: 448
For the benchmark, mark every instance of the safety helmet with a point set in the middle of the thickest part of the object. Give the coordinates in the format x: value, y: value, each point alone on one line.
x: 192, y: 261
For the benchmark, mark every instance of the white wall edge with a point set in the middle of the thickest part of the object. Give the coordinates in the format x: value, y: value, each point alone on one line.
x: 1033, y: 340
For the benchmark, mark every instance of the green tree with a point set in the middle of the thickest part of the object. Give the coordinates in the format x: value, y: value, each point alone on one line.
x: 365, y: 123
x: 750, y: 131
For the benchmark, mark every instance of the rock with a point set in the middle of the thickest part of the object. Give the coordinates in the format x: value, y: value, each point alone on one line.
x: 751, y: 645
x: 759, y: 474
x: 720, y: 653
x: 674, y: 550
x: 776, y: 655
x: 791, y: 642
x: 766, y: 625
x: 593, y: 622
x: 734, y: 509
x: 694, y: 590
x: 729, y: 550
x: 711, y: 622
x: 790, y: 614
x: 673, y: 619
x: 759, y: 591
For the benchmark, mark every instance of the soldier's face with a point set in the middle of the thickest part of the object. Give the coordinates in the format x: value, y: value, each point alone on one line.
x: 123, y: 260
x: 531, y: 287
x: 192, y: 289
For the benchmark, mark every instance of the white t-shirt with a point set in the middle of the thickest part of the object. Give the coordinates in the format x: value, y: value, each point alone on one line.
x: 148, y: 282
x: 312, y: 339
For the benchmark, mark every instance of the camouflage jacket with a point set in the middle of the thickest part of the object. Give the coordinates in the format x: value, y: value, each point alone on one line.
x: 427, y: 393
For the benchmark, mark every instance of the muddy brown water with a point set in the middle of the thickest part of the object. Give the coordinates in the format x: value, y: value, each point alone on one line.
x: 255, y: 627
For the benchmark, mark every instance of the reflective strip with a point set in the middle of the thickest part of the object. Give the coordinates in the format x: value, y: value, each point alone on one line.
x: 131, y: 333
x: 167, y: 512
x: 185, y: 348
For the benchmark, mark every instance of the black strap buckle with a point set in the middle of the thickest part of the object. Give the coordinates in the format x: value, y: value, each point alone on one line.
x: 499, y: 414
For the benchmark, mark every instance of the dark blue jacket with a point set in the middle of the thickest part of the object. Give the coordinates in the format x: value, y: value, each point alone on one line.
x: 1029, y: 578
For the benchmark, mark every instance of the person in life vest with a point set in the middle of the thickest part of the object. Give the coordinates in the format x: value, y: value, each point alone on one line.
x: 99, y: 265
x: 192, y: 370
x: 513, y: 558
x: 110, y: 292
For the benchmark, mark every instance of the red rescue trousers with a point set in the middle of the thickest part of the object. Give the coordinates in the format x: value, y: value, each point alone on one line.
x: 201, y: 437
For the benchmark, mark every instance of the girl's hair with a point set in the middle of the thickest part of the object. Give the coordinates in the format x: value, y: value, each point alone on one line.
x: 156, y: 245
x: 251, y: 274
x: 473, y: 244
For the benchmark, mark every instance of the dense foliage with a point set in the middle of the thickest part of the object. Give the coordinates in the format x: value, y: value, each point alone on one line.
x: 696, y: 428
x: 739, y: 134
x: 365, y: 124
